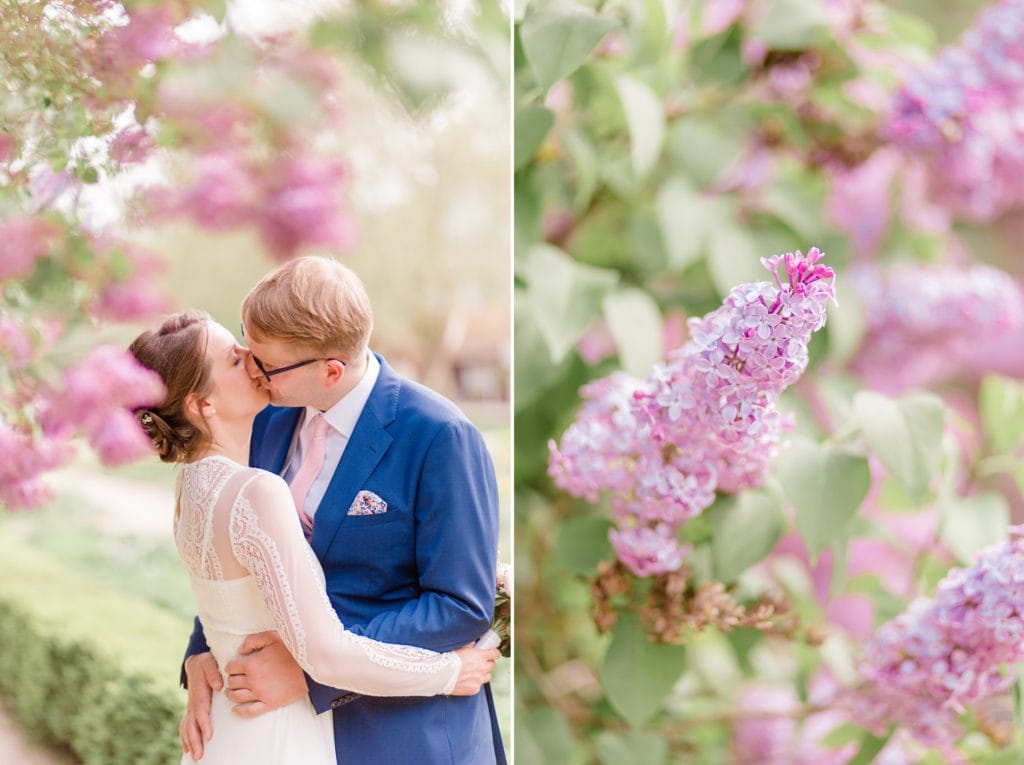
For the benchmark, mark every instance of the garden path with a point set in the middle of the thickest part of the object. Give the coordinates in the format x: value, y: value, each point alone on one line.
x: 15, y: 747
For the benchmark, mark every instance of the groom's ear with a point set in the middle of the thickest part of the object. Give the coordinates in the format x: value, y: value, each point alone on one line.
x: 335, y: 372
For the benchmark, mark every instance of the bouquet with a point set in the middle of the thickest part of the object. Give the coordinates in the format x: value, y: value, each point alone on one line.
x: 499, y: 635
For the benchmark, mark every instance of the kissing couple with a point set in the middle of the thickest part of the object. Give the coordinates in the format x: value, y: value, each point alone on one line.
x: 339, y: 524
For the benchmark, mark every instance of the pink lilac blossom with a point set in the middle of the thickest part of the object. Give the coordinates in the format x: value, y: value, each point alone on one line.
x: 771, y: 728
x: 148, y: 36
x: 130, y: 145
x: 703, y: 421
x: 719, y: 15
x: 16, y: 346
x: 963, y: 113
x: 47, y: 186
x: 648, y: 550
x: 7, y: 147
x: 296, y: 203
x: 222, y: 193
x: 766, y: 725
x: 924, y: 321
x: 304, y: 208
x: 924, y: 668
x: 23, y: 460
x: 137, y: 297
x: 25, y: 241
x: 859, y: 199
x: 94, y: 398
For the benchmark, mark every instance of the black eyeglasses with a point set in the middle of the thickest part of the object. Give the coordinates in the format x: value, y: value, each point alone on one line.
x: 290, y: 367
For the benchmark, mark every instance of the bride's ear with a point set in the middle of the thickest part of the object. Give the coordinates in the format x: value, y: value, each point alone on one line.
x: 199, y: 407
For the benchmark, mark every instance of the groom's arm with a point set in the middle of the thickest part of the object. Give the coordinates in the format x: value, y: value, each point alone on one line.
x: 196, y: 644
x: 456, y: 553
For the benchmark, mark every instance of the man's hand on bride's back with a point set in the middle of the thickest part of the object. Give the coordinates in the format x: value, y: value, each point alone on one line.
x: 195, y: 729
x: 263, y: 676
x: 477, y: 665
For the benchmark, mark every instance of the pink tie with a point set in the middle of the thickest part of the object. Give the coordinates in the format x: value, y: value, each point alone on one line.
x: 309, y: 468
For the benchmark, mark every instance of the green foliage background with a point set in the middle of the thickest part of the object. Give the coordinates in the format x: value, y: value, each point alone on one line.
x: 624, y: 138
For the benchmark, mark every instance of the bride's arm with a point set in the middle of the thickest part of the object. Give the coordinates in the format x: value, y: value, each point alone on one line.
x: 266, y: 538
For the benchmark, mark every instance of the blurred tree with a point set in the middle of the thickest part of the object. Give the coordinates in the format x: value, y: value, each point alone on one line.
x: 121, y: 122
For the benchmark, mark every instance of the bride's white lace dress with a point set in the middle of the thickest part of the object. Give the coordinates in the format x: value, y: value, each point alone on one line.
x: 238, y: 534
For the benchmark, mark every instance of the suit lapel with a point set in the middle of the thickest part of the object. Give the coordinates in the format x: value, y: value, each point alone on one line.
x: 366, y: 447
x: 271, y: 442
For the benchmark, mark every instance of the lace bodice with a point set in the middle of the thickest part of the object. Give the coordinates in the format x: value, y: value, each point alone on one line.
x: 239, y: 536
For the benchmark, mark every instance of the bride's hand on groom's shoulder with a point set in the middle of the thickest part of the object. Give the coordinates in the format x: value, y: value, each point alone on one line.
x: 477, y: 665
x: 195, y: 729
x: 264, y: 676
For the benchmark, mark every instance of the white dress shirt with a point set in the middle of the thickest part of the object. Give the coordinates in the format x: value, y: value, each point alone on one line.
x: 341, y: 420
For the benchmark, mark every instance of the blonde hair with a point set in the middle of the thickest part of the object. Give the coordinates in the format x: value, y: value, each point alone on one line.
x: 313, y: 302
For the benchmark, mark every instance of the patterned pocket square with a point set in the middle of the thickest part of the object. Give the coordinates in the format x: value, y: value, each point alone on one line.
x: 367, y: 503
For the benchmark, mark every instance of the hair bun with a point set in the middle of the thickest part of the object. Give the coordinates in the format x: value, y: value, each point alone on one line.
x: 166, y: 439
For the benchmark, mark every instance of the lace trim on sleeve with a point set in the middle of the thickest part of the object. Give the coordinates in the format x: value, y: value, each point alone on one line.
x: 256, y: 550
x: 406, y: 658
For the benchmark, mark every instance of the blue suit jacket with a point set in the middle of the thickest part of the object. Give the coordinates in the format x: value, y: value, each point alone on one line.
x: 421, y: 574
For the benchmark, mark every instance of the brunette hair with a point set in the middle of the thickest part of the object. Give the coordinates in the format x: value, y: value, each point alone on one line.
x: 312, y: 302
x: 176, y: 350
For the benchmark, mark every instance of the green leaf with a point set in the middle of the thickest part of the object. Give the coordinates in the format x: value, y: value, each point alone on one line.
x: 796, y: 205
x: 683, y: 215
x: 1001, y: 402
x: 544, y: 731
x: 564, y: 296
x: 746, y: 528
x: 638, y: 747
x: 635, y: 323
x: 905, y: 434
x: 842, y: 735
x: 969, y: 524
x: 846, y: 325
x: 558, y: 37
x: 645, y: 117
x: 718, y: 60
x: 908, y: 28
x: 826, y: 486
x: 534, y: 372
x: 706, y: 147
x: 734, y: 259
x: 790, y: 24
x: 532, y: 126
x: 216, y: 8
x: 586, y: 167
x: 88, y: 174
x: 638, y: 674
x: 870, y: 746
x: 582, y: 543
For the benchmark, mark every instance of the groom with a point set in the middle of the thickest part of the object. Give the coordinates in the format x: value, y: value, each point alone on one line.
x: 398, y: 495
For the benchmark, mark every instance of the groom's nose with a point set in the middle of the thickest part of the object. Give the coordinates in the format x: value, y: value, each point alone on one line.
x: 250, y: 366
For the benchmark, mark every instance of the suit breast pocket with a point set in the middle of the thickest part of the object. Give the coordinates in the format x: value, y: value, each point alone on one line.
x: 367, y: 521
x: 366, y: 536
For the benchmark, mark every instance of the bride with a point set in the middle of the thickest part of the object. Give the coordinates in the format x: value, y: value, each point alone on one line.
x: 239, y: 535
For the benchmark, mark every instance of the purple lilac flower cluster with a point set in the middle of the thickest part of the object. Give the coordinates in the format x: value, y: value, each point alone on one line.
x: 95, y: 399
x: 925, y: 321
x: 703, y: 421
x: 923, y: 669
x: 963, y: 112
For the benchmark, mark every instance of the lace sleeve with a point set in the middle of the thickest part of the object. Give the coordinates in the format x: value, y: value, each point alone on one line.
x: 267, y: 539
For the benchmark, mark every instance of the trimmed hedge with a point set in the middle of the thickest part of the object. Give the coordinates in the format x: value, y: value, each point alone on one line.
x: 88, y: 668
